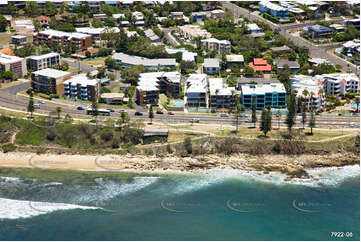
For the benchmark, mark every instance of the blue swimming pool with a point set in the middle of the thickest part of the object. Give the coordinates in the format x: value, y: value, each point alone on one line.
x: 178, y: 104
x: 354, y: 105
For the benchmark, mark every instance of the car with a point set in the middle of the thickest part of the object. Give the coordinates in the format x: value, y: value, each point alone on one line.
x: 194, y: 120
x: 170, y: 113
x: 138, y: 114
x: 36, y: 106
x: 122, y: 111
x: 111, y: 110
x: 248, y: 120
x: 41, y: 101
x: 80, y: 108
x: 159, y: 112
x: 224, y: 115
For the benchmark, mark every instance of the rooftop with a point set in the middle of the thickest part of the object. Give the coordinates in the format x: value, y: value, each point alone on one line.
x: 211, y: 62
x: 97, y: 31
x: 252, y: 89
x: 319, y: 28
x: 40, y: 57
x: 282, y: 48
x: 8, y: 59
x: 253, y: 27
x: 136, y: 60
x: 196, y: 83
x: 214, y: 40
x: 48, y: 72
x: 82, y: 80
x: 291, y: 64
x: 60, y: 34
x: 272, y: 6
x: 260, y: 64
x: 217, y: 87
x: 234, y: 58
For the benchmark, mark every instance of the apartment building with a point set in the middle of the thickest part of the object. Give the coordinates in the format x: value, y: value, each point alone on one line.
x: 221, y: 96
x: 176, y: 15
x: 339, y: 83
x: 192, y: 32
x: 18, y: 40
x: 217, y: 45
x: 196, y: 91
x: 82, y: 41
x: 96, y: 32
x: 235, y: 60
x: 265, y: 95
x: 198, y: 17
x: 308, y: 89
x: 318, y: 32
x: 151, y: 84
x: 151, y: 64
x: 211, y: 66
x: 49, y: 81
x: 273, y: 9
x: 81, y: 87
x: 40, y: 62
x: 16, y: 65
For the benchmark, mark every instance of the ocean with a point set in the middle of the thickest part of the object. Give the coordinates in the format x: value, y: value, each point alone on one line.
x: 209, y: 205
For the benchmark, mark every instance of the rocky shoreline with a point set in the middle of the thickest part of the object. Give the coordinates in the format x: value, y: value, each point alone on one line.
x: 294, y: 166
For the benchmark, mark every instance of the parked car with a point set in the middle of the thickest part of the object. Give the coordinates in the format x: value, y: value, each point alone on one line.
x: 159, y: 112
x: 194, y: 120
x: 248, y: 120
x: 80, y: 108
x: 36, y: 106
x: 138, y: 114
x: 122, y: 111
x: 111, y: 110
x: 224, y: 115
x: 170, y: 113
x: 41, y: 101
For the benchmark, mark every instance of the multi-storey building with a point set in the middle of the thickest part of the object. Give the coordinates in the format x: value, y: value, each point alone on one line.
x: 217, y: 14
x: 14, y: 64
x: 18, y: 39
x: 339, y: 83
x: 43, y: 61
x: 221, y: 96
x: 81, y: 87
x: 151, y: 64
x: 198, y: 17
x: 96, y: 32
x: 196, y: 89
x: 211, y: 66
x: 193, y: 31
x: 151, y: 84
x: 82, y: 41
x: 308, y: 89
x: 263, y: 96
x: 318, y: 32
x: 216, y: 45
x: 273, y: 9
x: 49, y: 81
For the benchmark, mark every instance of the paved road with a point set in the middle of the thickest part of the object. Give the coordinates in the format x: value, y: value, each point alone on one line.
x: 170, y: 37
x: 83, y: 67
x: 315, y: 51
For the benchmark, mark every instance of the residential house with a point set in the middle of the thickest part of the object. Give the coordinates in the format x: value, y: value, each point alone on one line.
x: 138, y: 16
x: 354, y: 22
x: 82, y: 41
x: 317, y: 61
x: 293, y: 65
x: 254, y: 80
x: 282, y: 49
x: 93, y: 5
x: 263, y: 96
x: 260, y: 64
x: 96, y: 32
x: 318, y: 32
x: 196, y: 89
x: 18, y: 40
x: 235, y: 60
x: 16, y: 65
x: 7, y: 51
x: 49, y: 81
x: 43, y: 21
x: 151, y: 64
x: 216, y: 45
x: 198, y: 17
x: 36, y: 63
x: 176, y: 15
x: 149, y: 33
x: 211, y: 66
x: 81, y: 87
x: 193, y: 31
x: 217, y: 14
x: 100, y: 16
x: 221, y: 96
x: 351, y: 47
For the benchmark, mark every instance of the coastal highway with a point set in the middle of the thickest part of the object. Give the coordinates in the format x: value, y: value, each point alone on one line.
x: 315, y: 51
x: 9, y: 99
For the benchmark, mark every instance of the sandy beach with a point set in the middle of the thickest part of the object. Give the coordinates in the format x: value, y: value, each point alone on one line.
x: 291, y: 165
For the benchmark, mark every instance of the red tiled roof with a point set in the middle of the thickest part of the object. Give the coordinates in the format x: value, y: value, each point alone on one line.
x: 260, y: 64
x: 7, y: 51
x: 41, y: 18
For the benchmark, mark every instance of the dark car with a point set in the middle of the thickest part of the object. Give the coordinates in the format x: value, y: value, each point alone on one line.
x: 80, y: 108
x: 138, y: 114
x: 110, y: 110
x: 159, y: 112
x: 170, y: 113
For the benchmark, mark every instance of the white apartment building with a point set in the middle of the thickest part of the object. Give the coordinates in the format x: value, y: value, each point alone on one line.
x: 43, y: 61
x: 81, y: 87
x: 339, y: 83
x: 13, y: 63
x: 96, y: 32
x: 221, y: 96
x: 196, y: 91
x: 302, y: 85
x: 216, y: 45
x: 193, y: 31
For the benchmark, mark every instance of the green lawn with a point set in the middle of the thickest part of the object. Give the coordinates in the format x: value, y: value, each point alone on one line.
x: 96, y: 61
x: 5, y: 40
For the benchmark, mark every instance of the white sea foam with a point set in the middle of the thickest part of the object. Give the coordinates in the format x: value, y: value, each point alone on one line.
x: 107, y: 189
x: 14, y: 209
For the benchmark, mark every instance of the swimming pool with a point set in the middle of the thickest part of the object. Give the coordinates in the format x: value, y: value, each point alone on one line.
x: 354, y: 105
x: 178, y: 104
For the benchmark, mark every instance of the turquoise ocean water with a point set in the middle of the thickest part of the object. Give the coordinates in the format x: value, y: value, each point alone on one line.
x: 214, y: 205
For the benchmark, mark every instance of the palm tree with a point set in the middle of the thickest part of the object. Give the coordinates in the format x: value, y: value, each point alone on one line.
x: 58, y: 111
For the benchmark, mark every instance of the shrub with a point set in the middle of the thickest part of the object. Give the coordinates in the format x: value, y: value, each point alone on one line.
x: 51, y: 135
x: 187, y: 143
x: 8, y: 148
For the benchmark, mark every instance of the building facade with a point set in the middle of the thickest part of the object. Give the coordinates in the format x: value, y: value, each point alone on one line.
x: 221, y: 96
x: 216, y: 45
x: 14, y: 64
x: 81, y: 87
x: 43, y: 61
x: 196, y: 91
x: 49, y: 81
